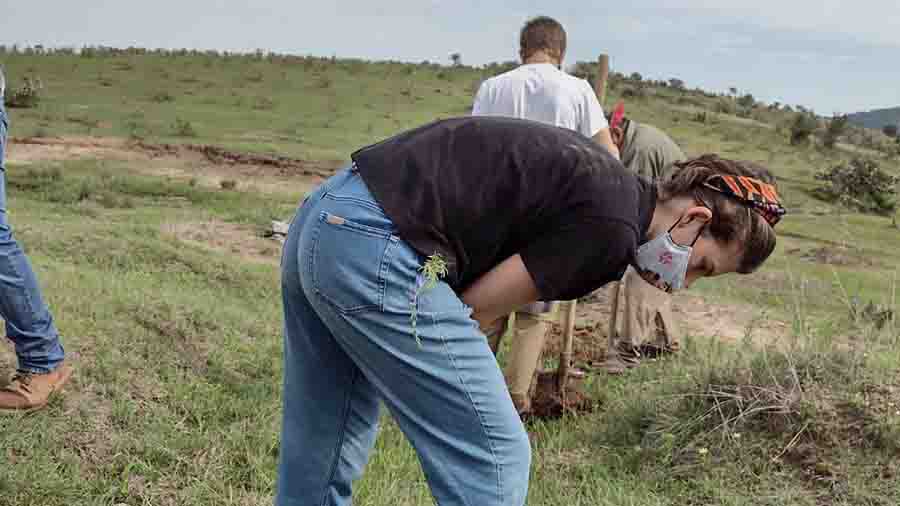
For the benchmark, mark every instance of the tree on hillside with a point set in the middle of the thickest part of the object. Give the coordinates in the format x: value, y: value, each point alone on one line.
x: 747, y: 101
x: 836, y: 127
x: 861, y: 185
x: 584, y: 70
x: 676, y: 83
x: 456, y: 58
x: 635, y: 76
x: 890, y: 130
x: 802, y: 127
x: 733, y: 91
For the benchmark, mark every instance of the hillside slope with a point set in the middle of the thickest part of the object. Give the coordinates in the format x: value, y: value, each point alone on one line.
x: 154, y: 262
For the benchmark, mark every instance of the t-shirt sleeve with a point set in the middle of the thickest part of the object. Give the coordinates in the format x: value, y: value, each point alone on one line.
x: 594, y: 120
x: 576, y: 259
x: 480, y: 105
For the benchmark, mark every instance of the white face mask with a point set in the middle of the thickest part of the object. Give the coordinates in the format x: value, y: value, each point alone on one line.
x: 663, y: 263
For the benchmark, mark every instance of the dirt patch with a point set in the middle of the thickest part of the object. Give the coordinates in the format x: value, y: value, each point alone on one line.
x: 547, y: 403
x: 696, y: 316
x: 241, y: 240
x: 28, y: 150
x: 284, y: 166
x: 210, y: 166
x: 832, y: 255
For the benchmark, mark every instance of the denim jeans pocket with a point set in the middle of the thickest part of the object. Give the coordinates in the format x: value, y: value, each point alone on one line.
x: 349, y: 261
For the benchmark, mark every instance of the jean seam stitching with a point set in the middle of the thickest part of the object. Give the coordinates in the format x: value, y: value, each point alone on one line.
x: 29, y: 304
x: 356, y: 200
x: 487, y: 433
x: 340, y: 444
x: 359, y: 228
x: 386, y: 258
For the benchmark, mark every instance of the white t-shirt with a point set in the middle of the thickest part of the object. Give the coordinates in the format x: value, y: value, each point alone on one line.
x: 542, y: 92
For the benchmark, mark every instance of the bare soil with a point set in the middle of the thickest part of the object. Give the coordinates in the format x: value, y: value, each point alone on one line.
x: 547, y: 403
x: 695, y: 315
x: 243, y: 241
x: 204, y: 164
x: 832, y: 255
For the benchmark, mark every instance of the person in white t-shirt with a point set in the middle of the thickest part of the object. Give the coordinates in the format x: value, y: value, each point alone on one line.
x: 539, y: 90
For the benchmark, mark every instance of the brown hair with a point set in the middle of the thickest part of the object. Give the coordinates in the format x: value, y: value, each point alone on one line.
x: 542, y: 33
x: 731, y: 220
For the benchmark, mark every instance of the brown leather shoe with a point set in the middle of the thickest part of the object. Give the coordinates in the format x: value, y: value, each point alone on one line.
x: 29, y: 392
x: 622, y: 358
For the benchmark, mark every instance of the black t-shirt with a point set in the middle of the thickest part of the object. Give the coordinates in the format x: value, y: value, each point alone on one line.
x: 478, y: 190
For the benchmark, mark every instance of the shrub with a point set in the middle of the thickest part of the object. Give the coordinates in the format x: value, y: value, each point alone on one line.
x: 162, y: 96
x: 836, y: 127
x: 26, y: 96
x: 263, y: 104
x: 324, y: 82
x: 860, y: 185
x: 802, y: 127
x: 228, y: 184
x: 725, y: 107
x: 636, y: 92
x: 184, y: 128
x: 889, y: 130
x: 136, y: 128
x: 747, y: 101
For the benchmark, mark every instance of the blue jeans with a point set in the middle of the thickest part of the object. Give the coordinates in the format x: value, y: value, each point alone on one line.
x: 28, y: 321
x: 351, y: 289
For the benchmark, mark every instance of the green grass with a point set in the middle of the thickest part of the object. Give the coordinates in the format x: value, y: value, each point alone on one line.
x: 176, y: 396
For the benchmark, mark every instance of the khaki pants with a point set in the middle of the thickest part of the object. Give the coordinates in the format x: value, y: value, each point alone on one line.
x: 647, y: 315
x: 530, y: 333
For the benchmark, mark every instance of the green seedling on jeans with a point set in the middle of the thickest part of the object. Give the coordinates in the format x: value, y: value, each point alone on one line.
x: 434, y: 269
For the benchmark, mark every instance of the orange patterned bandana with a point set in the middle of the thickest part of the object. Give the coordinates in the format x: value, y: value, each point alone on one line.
x: 759, y: 196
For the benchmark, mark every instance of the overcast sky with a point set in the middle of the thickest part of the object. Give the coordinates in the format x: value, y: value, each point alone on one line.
x: 835, y: 56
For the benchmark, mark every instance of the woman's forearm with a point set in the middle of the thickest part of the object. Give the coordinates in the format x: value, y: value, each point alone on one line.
x: 499, y: 292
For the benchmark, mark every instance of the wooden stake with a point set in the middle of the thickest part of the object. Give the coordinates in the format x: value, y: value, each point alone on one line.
x: 565, y: 357
x: 602, y: 77
x: 613, y: 315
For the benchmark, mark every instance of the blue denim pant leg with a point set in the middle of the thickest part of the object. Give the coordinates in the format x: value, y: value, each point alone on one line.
x: 28, y: 321
x: 351, y: 289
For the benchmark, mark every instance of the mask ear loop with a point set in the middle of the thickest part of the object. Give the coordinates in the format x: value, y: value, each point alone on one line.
x: 697, y: 237
x: 675, y: 224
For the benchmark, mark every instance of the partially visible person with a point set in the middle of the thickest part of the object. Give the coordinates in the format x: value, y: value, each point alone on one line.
x: 29, y: 325
x: 538, y: 90
x: 647, y: 324
x: 392, y: 266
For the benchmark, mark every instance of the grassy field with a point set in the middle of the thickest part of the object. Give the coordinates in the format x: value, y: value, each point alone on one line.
x: 178, y: 339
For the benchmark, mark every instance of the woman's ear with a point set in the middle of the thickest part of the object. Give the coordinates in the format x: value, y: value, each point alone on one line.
x: 697, y: 215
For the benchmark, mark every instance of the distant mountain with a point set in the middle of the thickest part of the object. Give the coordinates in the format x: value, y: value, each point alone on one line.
x: 876, y: 118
